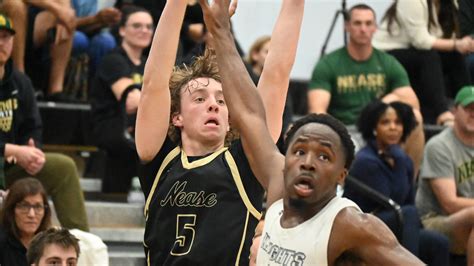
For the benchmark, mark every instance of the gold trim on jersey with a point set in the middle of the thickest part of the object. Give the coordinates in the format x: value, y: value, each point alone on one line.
x: 200, y: 162
x: 165, y: 163
x: 237, y: 260
x: 148, y: 258
x: 238, y: 182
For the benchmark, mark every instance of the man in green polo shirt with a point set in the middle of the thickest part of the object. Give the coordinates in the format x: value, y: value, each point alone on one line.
x: 346, y: 80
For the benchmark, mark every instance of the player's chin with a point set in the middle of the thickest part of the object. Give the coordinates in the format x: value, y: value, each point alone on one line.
x: 298, y: 203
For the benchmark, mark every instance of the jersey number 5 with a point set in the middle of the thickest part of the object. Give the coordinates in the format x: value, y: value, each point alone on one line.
x: 184, y: 234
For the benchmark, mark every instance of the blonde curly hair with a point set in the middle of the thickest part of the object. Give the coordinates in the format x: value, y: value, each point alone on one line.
x: 185, y: 78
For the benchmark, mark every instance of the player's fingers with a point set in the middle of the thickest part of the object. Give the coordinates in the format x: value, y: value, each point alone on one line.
x: 204, y: 5
x: 233, y: 7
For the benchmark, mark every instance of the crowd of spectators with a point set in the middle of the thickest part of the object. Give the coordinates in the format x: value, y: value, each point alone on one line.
x: 413, y: 69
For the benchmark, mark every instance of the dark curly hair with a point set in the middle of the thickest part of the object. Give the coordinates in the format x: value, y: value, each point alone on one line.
x: 334, y: 124
x: 370, y: 116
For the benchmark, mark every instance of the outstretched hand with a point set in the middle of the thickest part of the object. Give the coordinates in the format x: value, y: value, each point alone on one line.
x: 217, y: 15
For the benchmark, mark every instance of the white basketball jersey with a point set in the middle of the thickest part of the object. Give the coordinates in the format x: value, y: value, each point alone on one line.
x: 305, y: 244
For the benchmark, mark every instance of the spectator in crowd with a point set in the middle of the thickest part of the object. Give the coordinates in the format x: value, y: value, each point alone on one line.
x: 446, y: 187
x: 346, y: 80
x: 193, y: 31
x: 20, y: 141
x: 254, y: 63
x: 385, y: 167
x: 91, y: 36
x: 115, y: 94
x: 24, y: 214
x: 55, y: 246
x: 257, y: 54
x: 196, y: 157
x: 466, y: 25
x: 44, y: 27
x: 424, y: 37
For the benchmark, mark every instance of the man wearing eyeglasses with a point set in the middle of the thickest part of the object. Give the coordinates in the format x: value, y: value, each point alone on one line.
x: 20, y: 141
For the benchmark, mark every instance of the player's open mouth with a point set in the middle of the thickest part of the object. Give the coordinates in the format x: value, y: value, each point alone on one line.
x: 212, y: 122
x: 304, y: 186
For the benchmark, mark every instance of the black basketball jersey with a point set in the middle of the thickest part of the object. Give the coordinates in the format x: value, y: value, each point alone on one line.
x: 202, y: 211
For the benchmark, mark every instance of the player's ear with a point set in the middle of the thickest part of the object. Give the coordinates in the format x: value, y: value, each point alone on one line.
x: 177, y: 120
x: 342, y: 177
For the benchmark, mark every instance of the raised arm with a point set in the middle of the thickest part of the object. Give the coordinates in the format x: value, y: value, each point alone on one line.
x: 275, y: 79
x: 154, y: 108
x: 245, y: 106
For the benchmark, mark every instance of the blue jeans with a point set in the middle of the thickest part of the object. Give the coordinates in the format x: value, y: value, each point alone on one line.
x: 96, y: 47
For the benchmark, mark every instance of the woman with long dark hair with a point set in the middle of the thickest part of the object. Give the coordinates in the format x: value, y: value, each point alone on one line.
x: 424, y: 36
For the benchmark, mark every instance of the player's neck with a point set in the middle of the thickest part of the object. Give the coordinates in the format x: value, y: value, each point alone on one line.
x: 293, y: 216
x: 198, y: 148
x: 359, y: 52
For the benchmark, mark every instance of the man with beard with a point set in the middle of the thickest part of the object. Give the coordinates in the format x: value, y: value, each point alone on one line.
x: 446, y: 189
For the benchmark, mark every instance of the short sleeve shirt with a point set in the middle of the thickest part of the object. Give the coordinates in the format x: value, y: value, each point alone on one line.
x: 353, y: 84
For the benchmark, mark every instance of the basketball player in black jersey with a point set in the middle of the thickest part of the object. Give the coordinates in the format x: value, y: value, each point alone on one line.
x: 319, y: 153
x: 203, y: 200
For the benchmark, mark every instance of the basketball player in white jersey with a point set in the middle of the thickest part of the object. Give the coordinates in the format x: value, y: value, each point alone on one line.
x: 310, y: 225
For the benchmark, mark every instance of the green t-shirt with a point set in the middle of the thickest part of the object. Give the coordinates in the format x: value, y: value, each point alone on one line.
x: 354, y: 84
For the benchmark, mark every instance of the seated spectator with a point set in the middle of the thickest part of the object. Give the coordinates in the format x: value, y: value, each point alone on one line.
x: 115, y: 94
x: 257, y: 54
x: 45, y: 29
x: 446, y: 187
x: 346, y: 80
x: 426, y: 42
x: 20, y: 141
x: 25, y: 213
x: 55, y: 246
x: 385, y: 167
x: 254, y: 63
x: 91, y: 36
x: 466, y: 25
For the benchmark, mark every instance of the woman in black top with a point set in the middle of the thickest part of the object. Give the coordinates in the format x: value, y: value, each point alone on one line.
x: 25, y: 213
x: 115, y: 95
